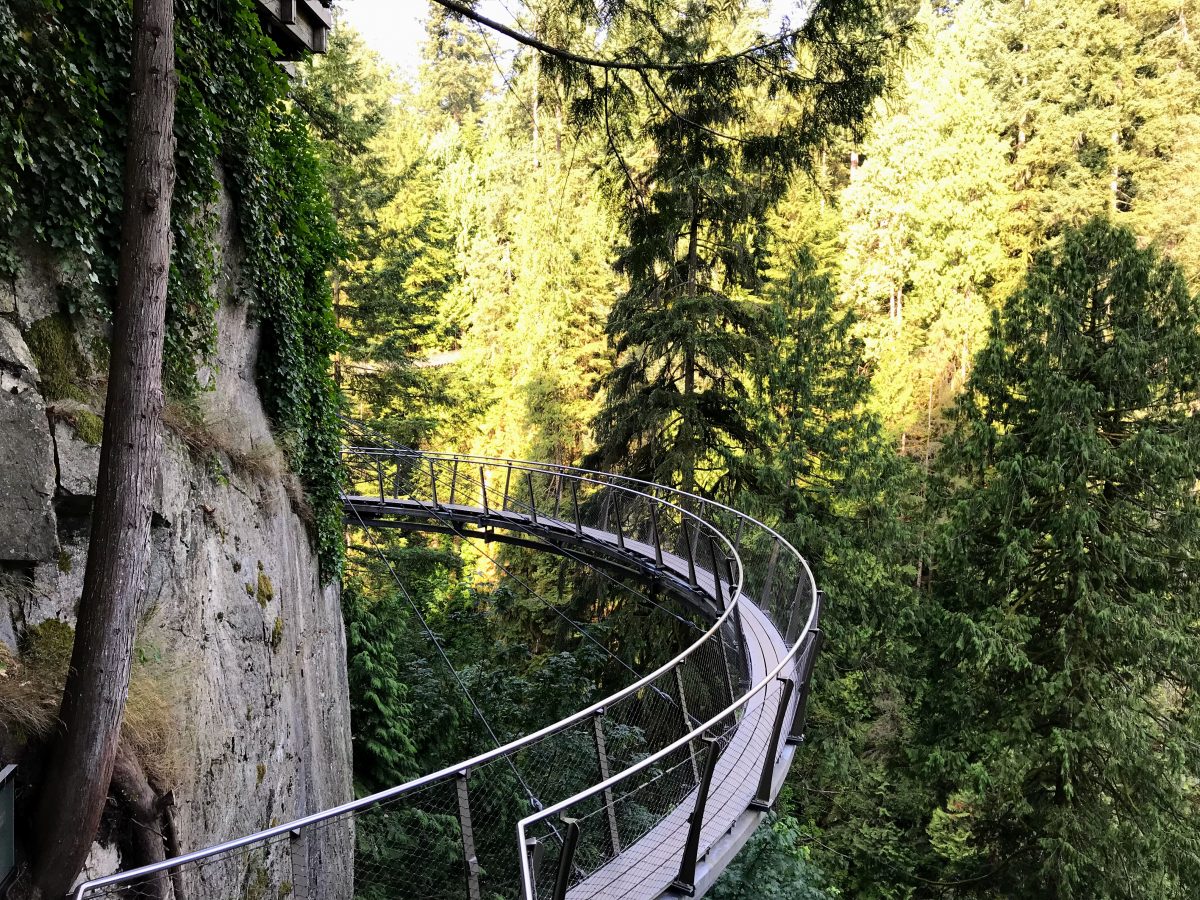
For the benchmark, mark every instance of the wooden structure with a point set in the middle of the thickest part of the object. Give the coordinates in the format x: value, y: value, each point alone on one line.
x: 297, y: 26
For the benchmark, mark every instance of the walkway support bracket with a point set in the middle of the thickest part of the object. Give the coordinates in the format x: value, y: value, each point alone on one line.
x: 685, y: 882
x: 762, y: 798
x: 808, y: 658
x: 468, y: 835
x: 566, y: 859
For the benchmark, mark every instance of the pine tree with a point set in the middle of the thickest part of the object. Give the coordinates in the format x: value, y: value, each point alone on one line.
x: 926, y: 259
x: 834, y: 484
x: 1061, y: 720
x: 1098, y: 102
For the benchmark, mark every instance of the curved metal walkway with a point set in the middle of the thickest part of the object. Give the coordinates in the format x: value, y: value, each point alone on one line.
x: 648, y: 793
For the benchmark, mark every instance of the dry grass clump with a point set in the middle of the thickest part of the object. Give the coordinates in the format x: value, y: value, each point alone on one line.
x: 208, y: 440
x: 150, y: 727
x: 31, y: 688
x: 28, y: 698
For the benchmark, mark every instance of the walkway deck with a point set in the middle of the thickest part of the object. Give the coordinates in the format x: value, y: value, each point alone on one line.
x: 646, y: 868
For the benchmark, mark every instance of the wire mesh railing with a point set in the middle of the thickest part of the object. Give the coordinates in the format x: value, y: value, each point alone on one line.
x: 593, y: 788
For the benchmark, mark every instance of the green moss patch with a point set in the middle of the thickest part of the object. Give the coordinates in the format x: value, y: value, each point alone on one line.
x: 63, y: 369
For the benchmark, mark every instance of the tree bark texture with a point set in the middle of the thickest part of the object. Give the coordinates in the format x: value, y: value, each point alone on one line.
x: 141, y: 806
x: 85, y: 748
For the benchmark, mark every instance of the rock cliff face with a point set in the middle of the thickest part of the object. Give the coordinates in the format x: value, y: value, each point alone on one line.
x: 248, y: 644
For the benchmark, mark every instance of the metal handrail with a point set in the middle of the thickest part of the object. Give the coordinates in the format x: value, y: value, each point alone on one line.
x: 582, y: 475
x: 653, y: 759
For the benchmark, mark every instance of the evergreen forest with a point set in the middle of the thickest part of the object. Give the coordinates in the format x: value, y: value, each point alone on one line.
x: 915, y: 283
x: 936, y: 322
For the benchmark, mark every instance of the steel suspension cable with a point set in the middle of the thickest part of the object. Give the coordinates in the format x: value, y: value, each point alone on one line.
x: 583, y: 561
x: 446, y: 659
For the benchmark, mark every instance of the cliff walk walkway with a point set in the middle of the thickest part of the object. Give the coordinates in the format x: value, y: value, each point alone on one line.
x: 648, y: 793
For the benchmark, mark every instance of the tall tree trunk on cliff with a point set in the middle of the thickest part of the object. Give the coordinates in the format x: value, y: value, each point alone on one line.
x: 81, y: 762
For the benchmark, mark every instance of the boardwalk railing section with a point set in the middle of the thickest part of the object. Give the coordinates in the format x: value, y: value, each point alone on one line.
x: 585, y: 806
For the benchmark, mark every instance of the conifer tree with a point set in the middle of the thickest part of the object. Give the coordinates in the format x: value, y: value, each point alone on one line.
x: 833, y: 482
x: 926, y: 258
x: 1061, y: 723
x: 396, y: 264
x: 695, y: 199
x: 1098, y: 101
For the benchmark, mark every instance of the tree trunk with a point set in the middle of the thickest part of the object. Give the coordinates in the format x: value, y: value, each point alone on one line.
x: 687, y: 437
x: 140, y: 803
x: 81, y: 760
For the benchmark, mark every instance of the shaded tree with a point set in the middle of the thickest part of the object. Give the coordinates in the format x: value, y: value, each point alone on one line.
x: 1061, y: 722
x: 85, y: 750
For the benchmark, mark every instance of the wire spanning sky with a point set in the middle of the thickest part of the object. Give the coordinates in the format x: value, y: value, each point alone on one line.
x: 394, y: 28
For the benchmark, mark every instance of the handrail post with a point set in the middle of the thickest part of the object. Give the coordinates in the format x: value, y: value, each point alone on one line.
x: 453, y: 479
x: 483, y: 490
x: 741, y: 636
x: 532, y: 502
x: 794, y: 617
x: 807, y: 661
x: 433, y: 484
x: 534, y: 851
x: 762, y: 797
x: 566, y: 859
x: 379, y: 472
x: 614, y: 834
x: 685, y: 882
x: 575, y: 507
x: 687, y: 721
x: 691, y: 559
x: 616, y: 512
x: 725, y: 662
x: 716, y: 573
x: 658, y: 554
x: 507, y: 479
x: 558, y: 480
x: 468, y: 835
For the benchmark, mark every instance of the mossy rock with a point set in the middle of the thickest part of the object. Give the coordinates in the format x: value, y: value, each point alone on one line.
x: 63, y: 369
x: 264, y: 590
x: 89, y: 427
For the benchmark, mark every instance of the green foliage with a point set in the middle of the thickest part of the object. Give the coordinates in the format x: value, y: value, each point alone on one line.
x: 773, y: 865
x: 925, y: 227
x: 835, y: 487
x: 1060, y: 727
x: 537, y: 286
x: 62, y: 369
x: 395, y: 266
x: 384, y: 751
x: 1099, y: 104
x: 695, y: 189
x: 66, y: 71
